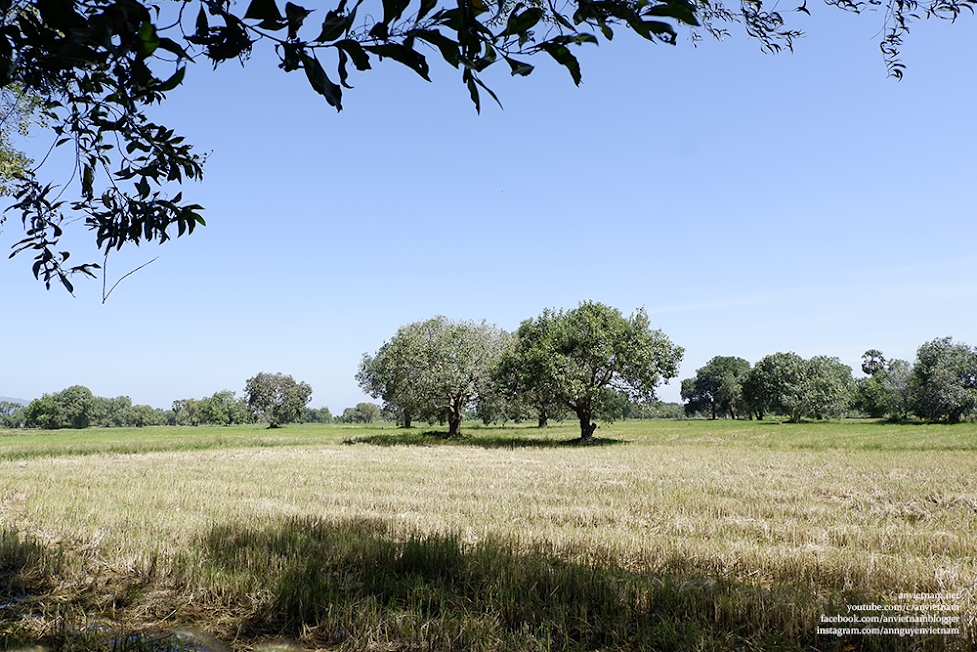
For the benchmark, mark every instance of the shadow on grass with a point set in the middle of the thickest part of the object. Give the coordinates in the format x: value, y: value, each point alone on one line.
x: 24, y: 564
x: 438, y: 438
x: 899, y: 421
x: 353, y: 584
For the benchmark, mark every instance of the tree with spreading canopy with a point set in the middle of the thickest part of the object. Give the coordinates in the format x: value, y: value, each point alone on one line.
x: 787, y: 383
x: 434, y: 369
x: 574, y: 356
x: 394, y: 375
x: 944, y: 380
x: 95, y: 67
x: 222, y: 408
x: 717, y: 387
x: 276, y: 398
x: 362, y: 413
x: 514, y: 386
x: 74, y: 407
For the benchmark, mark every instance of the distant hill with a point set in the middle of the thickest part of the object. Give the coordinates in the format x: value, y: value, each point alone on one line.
x: 14, y: 400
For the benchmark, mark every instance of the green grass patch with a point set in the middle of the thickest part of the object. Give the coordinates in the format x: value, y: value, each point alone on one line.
x: 817, y: 435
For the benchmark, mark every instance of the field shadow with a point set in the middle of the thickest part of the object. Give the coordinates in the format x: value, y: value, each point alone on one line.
x: 438, y: 438
x: 351, y: 583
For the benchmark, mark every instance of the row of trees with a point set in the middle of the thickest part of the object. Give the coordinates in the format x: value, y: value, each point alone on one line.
x: 580, y: 360
x: 268, y: 398
x: 940, y: 385
x: 77, y: 407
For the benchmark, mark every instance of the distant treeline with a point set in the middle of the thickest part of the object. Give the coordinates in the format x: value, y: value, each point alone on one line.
x: 941, y: 385
x: 78, y: 407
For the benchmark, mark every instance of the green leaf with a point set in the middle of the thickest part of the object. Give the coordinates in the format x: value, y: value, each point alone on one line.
x: 296, y: 16
x: 267, y: 12
x: 648, y: 28
x: 521, y: 23
x: 449, y: 49
x: 202, y: 25
x: 392, y: 10
x: 564, y: 58
x: 291, y: 59
x: 472, y: 89
x: 321, y: 82
x: 87, y: 180
x: 487, y: 60
x: 585, y: 37
x: 355, y: 51
x: 559, y: 18
x: 410, y: 58
x: 173, y: 81
x: 426, y: 7
x: 148, y: 40
x: 335, y: 25
x: 343, y: 74
x: 170, y: 45
x: 488, y: 90
x: 518, y: 67
x: 680, y: 11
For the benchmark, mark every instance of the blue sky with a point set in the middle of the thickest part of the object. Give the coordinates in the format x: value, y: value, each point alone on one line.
x: 751, y: 203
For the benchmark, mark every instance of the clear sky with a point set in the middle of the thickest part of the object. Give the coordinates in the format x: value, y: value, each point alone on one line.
x: 751, y: 203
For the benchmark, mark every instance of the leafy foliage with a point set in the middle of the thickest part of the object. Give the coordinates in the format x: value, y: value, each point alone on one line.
x: 17, y: 113
x: 789, y: 384
x: 434, y: 369
x: 944, y: 380
x: 11, y: 415
x: 74, y: 407
x: 95, y: 66
x: 717, y: 387
x: 573, y: 357
x: 362, y: 413
x: 276, y: 398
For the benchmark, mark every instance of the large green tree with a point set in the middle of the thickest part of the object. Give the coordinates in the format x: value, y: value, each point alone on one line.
x: 362, y: 413
x: 788, y: 384
x: 74, y: 407
x: 222, y: 408
x: 515, y: 387
x: 944, y: 380
x: 99, y: 65
x: 435, y: 368
x: 873, y: 395
x: 576, y: 355
x: 717, y: 387
x: 276, y: 398
x: 393, y: 374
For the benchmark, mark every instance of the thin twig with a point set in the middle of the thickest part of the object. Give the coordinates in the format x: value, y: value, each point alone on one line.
x: 105, y: 295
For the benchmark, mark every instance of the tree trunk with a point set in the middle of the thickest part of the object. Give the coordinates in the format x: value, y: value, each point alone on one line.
x: 407, y: 419
x: 454, y: 418
x: 586, y: 427
x: 544, y: 418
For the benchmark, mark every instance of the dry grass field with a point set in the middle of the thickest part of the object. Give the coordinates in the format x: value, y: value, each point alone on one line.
x: 664, y: 536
